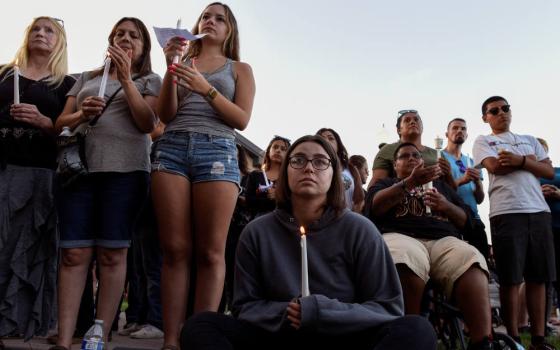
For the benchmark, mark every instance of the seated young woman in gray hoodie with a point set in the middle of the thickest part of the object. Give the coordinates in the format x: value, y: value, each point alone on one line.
x: 355, y: 296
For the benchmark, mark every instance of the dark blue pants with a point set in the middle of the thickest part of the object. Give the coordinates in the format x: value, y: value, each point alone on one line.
x: 208, y: 330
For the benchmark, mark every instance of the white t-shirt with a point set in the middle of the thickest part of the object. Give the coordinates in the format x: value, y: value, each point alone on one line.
x: 520, y: 190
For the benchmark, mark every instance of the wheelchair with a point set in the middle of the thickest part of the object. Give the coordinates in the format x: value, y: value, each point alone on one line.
x: 448, y: 323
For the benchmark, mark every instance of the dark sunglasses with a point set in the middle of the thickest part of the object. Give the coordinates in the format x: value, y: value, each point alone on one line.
x: 496, y: 110
x: 462, y: 167
x: 405, y: 111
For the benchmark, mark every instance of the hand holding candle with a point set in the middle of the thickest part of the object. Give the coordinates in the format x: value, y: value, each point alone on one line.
x: 304, y: 270
x: 16, y: 85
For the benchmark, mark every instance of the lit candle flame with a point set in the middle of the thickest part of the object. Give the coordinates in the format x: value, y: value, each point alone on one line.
x: 302, y: 230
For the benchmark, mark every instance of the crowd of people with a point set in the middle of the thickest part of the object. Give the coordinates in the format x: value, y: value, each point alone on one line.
x: 210, y: 247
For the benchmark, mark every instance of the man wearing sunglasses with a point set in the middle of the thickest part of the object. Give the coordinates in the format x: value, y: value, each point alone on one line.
x: 409, y: 129
x: 520, y: 219
x: 468, y: 180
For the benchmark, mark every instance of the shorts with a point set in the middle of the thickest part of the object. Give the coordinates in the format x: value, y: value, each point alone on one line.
x: 443, y: 260
x: 100, y: 209
x: 197, y: 157
x: 523, y: 247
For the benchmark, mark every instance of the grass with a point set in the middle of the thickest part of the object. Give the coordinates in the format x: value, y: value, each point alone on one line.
x: 552, y: 340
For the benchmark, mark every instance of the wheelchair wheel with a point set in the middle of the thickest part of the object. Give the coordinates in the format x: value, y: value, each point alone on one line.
x: 503, y: 341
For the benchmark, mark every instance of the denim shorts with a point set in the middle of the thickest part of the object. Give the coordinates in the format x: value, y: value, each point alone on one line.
x: 100, y: 209
x: 197, y: 157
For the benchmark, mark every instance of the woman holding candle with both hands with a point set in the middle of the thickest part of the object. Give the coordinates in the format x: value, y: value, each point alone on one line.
x: 98, y: 211
x: 355, y: 299
x: 27, y: 162
x: 195, y: 174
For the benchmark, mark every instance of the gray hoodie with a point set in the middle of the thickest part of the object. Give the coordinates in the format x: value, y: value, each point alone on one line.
x: 352, y: 279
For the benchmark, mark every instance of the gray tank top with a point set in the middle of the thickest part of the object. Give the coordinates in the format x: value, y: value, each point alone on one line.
x: 195, y: 114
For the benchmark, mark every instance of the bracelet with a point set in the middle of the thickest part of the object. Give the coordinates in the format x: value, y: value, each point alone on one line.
x: 522, y: 162
x: 211, y: 94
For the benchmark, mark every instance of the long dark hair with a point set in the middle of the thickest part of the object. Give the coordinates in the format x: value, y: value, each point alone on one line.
x: 341, y: 151
x: 267, y: 160
x: 335, y: 194
x: 144, y: 64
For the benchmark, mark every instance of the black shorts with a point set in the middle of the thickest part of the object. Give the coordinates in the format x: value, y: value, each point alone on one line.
x: 523, y: 247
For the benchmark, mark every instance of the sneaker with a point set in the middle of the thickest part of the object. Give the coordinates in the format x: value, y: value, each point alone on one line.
x: 147, y: 332
x: 129, y: 328
x: 519, y: 346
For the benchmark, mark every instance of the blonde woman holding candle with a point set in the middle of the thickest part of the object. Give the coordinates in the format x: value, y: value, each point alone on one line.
x: 355, y: 299
x: 98, y: 211
x: 261, y: 184
x: 27, y: 163
x: 195, y: 175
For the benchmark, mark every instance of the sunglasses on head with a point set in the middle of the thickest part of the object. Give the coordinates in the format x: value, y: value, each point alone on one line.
x: 496, y: 110
x: 462, y: 167
x: 405, y: 111
x: 60, y: 21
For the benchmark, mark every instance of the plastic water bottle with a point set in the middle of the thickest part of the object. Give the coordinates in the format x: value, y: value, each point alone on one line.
x: 93, y: 340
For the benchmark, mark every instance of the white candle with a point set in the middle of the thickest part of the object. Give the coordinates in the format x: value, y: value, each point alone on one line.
x: 428, y: 187
x: 104, y: 77
x: 176, y: 57
x: 304, y: 270
x: 439, y: 145
x: 266, y: 182
x: 16, y: 85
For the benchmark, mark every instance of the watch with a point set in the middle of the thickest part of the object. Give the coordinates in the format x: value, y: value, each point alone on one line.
x: 211, y: 94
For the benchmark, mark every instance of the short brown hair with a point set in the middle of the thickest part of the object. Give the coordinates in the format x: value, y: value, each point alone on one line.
x: 335, y: 194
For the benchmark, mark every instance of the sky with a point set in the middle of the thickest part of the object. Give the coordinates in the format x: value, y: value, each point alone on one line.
x: 351, y: 65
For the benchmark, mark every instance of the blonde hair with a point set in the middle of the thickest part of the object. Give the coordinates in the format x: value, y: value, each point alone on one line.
x: 58, y: 61
x: 230, y: 47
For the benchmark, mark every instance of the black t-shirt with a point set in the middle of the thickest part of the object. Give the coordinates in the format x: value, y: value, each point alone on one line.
x: 409, y: 216
x: 23, y: 144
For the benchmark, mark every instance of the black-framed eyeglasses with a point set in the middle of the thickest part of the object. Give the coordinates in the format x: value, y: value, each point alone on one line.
x: 414, y: 155
x: 300, y: 162
x: 461, y: 165
x: 405, y: 111
x: 496, y: 110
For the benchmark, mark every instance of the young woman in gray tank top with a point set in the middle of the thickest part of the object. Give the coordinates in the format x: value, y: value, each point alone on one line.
x: 195, y: 176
